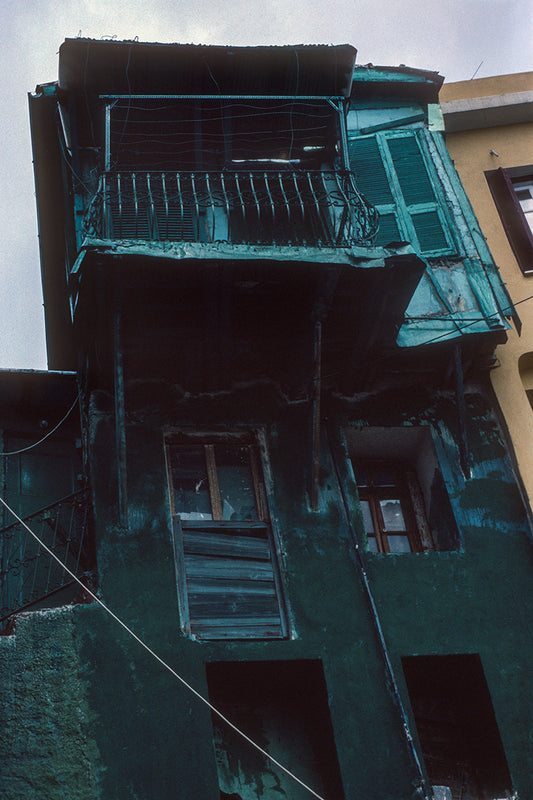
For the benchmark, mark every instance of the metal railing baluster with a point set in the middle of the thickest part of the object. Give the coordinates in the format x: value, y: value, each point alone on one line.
x: 135, y: 204
x: 293, y: 198
x: 29, y: 576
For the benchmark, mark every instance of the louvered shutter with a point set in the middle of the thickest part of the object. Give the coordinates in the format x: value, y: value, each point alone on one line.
x: 392, y: 174
x: 418, y: 193
x: 373, y: 182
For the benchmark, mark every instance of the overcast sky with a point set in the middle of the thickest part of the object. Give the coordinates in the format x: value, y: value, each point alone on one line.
x: 454, y: 37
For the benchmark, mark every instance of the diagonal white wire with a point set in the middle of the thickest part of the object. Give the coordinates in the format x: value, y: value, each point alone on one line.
x: 163, y: 663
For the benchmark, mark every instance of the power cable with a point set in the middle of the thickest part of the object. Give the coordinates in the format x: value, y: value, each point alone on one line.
x: 31, y: 446
x: 158, y: 658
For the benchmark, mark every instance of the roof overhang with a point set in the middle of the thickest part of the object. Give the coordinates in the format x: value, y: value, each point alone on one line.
x: 396, y: 82
x: 131, y: 67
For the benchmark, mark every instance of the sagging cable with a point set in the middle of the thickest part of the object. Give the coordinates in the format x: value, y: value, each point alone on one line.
x: 163, y: 663
x: 54, y: 429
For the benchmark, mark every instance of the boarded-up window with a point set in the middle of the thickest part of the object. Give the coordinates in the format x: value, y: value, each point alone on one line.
x: 228, y: 581
x: 393, y: 174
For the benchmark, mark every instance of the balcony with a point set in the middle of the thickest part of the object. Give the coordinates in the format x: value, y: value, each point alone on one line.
x: 29, y: 576
x: 257, y: 207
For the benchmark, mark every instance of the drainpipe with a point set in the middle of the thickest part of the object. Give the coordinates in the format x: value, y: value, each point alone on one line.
x: 427, y: 794
x: 120, y: 414
x: 461, y: 407
x: 317, y: 387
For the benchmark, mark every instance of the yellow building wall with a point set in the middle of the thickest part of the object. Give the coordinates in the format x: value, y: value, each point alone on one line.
x: 473, y: 152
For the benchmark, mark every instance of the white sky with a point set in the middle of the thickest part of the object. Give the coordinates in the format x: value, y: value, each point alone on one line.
x: 452, y: 37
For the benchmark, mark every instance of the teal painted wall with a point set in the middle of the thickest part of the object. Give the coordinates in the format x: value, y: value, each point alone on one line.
x: 88, y: 714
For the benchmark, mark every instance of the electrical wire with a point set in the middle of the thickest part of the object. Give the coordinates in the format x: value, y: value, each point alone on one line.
x: 31, y: 446
x: 158, y: 658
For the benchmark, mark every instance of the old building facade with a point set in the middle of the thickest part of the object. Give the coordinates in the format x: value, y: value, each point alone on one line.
x: 489, y: 130
x: 267, y: 291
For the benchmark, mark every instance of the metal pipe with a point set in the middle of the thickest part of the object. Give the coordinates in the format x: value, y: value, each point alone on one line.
x: 426, y: 792
x: 317, y: 389
x: 290, y: 97
x: 461, y: 408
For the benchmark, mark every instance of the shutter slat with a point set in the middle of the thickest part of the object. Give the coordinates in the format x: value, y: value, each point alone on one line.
x: 371, y: 177
x: 411, y: 170
x: 197, y: 566
x: 429, y: 231
x: 219, y: 544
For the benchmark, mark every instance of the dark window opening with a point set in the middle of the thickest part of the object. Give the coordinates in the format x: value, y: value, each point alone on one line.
x: 228, y: 580
x: 456, y: 725
x: 512, y: 191
x: 283, y: 706
x: 404, y: 502
x: 179, y: 135
x: 386, y: 492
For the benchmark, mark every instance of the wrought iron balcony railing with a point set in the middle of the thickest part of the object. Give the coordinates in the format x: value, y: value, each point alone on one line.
x: 29, y: 576
x: 285, y: 207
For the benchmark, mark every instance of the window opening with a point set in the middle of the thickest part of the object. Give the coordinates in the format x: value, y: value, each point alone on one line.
x: 456, y: 726
x: 387, y: 506
x: 284, y: 705
x: 151, y: 134
x: 512, y: 191
x: 404, y: 500
x: 524, y: 194
x: 228, y: 578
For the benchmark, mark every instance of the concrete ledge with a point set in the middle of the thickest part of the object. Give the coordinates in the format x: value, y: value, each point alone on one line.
x: 488, y: 112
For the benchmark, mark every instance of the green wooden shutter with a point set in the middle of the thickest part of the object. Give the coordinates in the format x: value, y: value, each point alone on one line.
x: 373, y: 182
x: 392, y: 174
x: 371, y: 177
x: 418, y: 193
x: 411, y: 170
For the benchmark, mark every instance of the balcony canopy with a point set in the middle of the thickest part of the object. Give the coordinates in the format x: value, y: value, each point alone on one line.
x: 130, y: 67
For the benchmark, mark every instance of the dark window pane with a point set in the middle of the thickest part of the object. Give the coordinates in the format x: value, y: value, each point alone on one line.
x: 399, y: 544
x: 235, y: 482
x: 392, y: 513
x: 367, y: 516
x: 190, y: 483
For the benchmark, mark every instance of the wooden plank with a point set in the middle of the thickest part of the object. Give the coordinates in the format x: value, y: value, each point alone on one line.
x: 228, y: 630
x: 233, y: 608
x: 238, y: 587
x: 179, y: 560
x: 227, y: 568
x: 237, y: 526
x: 213, y: 544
